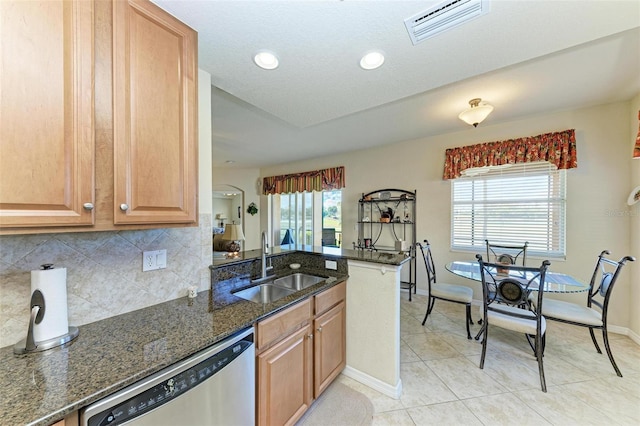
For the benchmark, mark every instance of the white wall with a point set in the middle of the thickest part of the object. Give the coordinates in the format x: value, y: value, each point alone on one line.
x: 597, y: 189
x: 204, y: 148
x: 634, y: 299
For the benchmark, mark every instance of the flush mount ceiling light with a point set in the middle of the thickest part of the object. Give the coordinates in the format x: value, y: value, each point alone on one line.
x: 372, y: 60
x: 476, y: 113
x: 266, y: 60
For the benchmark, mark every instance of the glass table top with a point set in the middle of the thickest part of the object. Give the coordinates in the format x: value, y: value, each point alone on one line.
x: 555, y: 282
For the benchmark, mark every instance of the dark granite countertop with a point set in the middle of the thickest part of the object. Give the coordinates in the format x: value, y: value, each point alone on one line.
x: 385, y: 257
x: 108, y: 355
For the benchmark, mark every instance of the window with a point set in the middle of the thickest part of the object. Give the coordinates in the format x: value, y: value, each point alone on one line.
x: 308, y: 216
x: 510, y: 204
x: 332, y: 218
x: 296, y: 215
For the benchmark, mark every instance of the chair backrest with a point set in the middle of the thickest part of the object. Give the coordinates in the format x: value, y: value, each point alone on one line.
x: 425, y: 249
x: 328, y: 236
x: 603, y: 279
x: 506, y: 253
x: 511, y: 284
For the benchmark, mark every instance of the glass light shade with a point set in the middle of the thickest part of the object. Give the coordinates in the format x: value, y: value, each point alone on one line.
x: 233, y: 232
x: 266, y: 60
x: 372, y: 60
x: 475, y: 114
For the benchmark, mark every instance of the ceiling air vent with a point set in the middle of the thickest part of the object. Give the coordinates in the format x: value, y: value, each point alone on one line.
x: 443, y: 16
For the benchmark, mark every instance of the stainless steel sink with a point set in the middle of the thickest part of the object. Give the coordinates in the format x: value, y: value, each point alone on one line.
x: 265, y: 293
x: 298, y: 281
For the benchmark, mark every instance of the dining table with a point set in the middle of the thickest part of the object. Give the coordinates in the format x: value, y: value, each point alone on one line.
x: 554, y: 282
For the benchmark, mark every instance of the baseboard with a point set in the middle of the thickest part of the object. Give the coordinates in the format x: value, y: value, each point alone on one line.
x: 391, y: 391
x: 633, y: 336
x: 626, y: 332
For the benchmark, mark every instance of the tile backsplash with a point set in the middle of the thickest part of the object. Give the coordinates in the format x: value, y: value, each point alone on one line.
x: 104, y: 271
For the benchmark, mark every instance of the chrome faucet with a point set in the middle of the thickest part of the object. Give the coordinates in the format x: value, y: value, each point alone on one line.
x: 264, y: 267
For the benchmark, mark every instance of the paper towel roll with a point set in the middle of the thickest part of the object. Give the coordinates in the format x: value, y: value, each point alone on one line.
x: 52, y: 283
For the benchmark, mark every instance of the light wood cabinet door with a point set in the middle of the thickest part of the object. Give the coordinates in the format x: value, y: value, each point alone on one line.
x: 46, y: 113
x: 330, y: 355
x: 155, y: 117
x: 285, y: 377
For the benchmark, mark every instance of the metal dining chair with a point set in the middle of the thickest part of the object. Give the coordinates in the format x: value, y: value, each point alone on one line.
x: 506, y: 253
x: 513, y: 286
x: 601, y: 285
x: 447, y: 292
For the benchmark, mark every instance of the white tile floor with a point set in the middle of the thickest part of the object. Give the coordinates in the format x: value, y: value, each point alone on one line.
x: 442, y: 384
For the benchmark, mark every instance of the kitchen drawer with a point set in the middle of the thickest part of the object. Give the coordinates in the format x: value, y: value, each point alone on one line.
x: 325, y: 300
x: 282, y: 324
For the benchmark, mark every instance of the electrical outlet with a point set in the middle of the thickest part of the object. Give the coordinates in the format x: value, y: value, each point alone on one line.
x: 152, y: 260
x: 331, y: 264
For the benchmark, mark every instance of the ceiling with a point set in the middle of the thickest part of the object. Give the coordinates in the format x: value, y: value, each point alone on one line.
x: 525, y: 57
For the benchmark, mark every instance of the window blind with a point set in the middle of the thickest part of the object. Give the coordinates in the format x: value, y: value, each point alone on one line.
x: 509, y: 204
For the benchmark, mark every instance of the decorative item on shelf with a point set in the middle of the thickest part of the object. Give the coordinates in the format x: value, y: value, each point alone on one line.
x: 367, y: 198
x: 476, y: 113
x: 233, y: 233
x: 386, y: 216
x: 252, y: 209
x: 367, y: 242
x: 401, y: 245
x: 384, y: 195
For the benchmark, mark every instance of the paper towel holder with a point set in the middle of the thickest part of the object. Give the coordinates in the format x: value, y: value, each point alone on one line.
x: 20, y: 348
x: 38, y: 307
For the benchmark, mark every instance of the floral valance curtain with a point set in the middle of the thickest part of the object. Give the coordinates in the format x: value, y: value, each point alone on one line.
x: 558, y: 148
x: 316, y: 180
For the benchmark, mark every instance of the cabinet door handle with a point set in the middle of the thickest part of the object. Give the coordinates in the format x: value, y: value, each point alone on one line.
x: 88, y: 206
x: 319, y: 329
x: 124, y: 207
x: 310, y: 336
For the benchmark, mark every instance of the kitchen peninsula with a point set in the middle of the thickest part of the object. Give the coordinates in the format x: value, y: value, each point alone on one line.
x: 373, y: 309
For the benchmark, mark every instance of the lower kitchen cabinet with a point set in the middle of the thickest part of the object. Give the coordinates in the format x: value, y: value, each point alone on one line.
x: 329, y: 347
x: 71, y: 419
x: 300, y: 351
x: 285, y: 379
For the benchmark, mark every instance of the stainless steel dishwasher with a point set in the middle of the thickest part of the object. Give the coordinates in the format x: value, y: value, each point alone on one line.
x: 213, y: 387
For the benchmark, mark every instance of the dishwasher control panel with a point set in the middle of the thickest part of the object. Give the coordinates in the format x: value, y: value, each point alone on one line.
x: 145, y: 400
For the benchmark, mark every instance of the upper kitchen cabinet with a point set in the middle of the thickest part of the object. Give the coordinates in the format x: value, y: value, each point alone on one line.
x: 46, y: 113
x: 154, y: 116
x: 98, y: 118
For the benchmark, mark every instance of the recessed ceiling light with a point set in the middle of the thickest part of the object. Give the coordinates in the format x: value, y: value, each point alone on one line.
x: 229, y: 161
x: 266, y: 60
x: 372, y: 60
